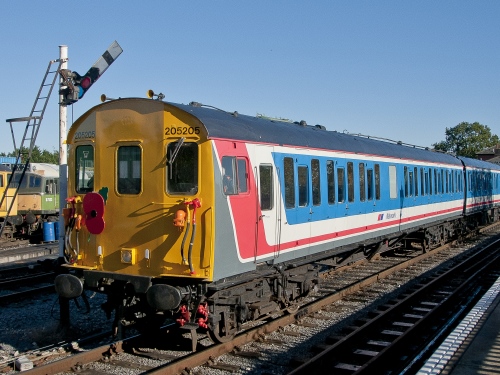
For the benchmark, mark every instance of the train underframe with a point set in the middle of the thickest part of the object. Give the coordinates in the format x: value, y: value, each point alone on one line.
x: 222, y: 308
x: 26, y: 226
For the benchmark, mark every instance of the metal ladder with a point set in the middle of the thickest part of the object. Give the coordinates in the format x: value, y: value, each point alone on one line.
x: 33, y: 122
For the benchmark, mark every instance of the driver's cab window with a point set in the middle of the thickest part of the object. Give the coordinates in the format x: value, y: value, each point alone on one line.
x: 84, y: 169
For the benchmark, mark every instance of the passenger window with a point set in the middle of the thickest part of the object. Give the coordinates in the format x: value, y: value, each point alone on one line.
x: 289, y: 183
x: 182, y: 168
x: 407, y: 193
x: 369, y: 182
x: 316, y: 186
x: 266, y: 187
x: 303, y: 177
x: 129, y: 173
x: 242, y: 175
x: 1, y: 181
x: 341, y: 187
x: 362, y: 182
x: 377, y: 181
x: 415, y: 176
x: 350, y: 182
x: 330, y: 176
x: 422, y: 182
x: 84, y: 169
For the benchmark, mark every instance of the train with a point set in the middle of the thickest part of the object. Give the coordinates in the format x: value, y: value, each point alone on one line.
x: 36, y: 201
x: 213, y: 219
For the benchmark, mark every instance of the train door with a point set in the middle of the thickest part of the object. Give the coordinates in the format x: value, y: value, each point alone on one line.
x: 269, y: 220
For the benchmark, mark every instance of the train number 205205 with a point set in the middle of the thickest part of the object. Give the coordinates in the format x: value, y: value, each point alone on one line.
x: 182, y: 130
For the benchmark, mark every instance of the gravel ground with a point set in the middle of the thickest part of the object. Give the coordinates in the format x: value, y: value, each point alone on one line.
x: 30, y: 326
x: 41, y: 316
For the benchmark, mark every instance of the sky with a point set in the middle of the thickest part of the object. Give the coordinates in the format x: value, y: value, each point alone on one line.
x: 401, y: 70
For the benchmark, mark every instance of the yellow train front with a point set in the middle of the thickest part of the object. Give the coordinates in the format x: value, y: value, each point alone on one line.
x: 139, y: 219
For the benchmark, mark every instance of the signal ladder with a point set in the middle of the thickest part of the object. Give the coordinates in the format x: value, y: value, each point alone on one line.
x: 33, y: 122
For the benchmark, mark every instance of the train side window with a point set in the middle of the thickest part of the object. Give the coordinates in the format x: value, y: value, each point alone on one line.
x: 242, y: 184
x: 410, y: 183
x: 422, y: 182
x: 415, y: 175
x: 289, y: 183
x: 84, y: 169
x: 316, y: 186
x: 330, y: 176
x: 1, y: 181
x: 129, y: 174
x: 377, y: 182
x: 350, y: 181
x: 369, y: 182
x: 182, y: 168
x: 425, y: 181
x: 266, y: 187
x: 341, y: 186
x: 362, y: 182
x: 406, y: 181
x: 430, y: 181
x: 393, y: 182
x: 303, y: 177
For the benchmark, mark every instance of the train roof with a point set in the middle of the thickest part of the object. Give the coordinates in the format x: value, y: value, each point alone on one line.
x: 227, y: 125
x: 476, y: 163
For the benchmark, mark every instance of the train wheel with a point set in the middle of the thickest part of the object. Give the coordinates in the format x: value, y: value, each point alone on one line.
x: 219, y: 334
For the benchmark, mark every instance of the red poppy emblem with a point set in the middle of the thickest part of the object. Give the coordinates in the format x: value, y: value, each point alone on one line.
x: 93, y: 206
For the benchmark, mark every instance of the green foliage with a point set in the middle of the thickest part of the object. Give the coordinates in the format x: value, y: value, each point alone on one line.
x: 467, y: 139
x: 37, y: 155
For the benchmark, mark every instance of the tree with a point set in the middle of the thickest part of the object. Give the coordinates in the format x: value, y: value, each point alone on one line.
x: 37, y: 155
x: 467, y: 139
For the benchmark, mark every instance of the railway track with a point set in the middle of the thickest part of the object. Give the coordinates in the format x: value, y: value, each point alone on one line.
x: 25, y: 284
x: 250, y: 351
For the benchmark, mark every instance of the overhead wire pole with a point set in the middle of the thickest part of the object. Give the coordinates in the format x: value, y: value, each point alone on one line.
x: 63, y: 155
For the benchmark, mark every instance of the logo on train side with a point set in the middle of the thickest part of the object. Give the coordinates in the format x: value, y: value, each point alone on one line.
x: 386, y: 216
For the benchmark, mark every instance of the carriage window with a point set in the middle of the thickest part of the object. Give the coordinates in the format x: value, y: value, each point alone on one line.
x: 84, y: 169
x: 411, y: 183
x: 422, y: 182
x: 415, y: 175
x: 316, y: 190
x: 51, y: 186
x: 129, y: 170
x: 234, y: 179
x: 377, y: 181
x: 330, y: 176
x: 242, y: 175
x: 430, y: 181
x: 350, y: 181
x: 266, y: 187
x: 406, y: 181
x: 182, y: 168
x: 341, y: 187
x: 369, y: 182
x: 1, y: 181
x: 303, y: 176
x: 362, y: 182
x: 289, y: 183
x: 393, y: 182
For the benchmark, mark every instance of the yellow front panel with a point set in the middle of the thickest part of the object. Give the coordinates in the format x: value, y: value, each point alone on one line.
x: 139, y: 237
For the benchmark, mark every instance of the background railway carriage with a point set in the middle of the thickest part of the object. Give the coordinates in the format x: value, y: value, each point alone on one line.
x: 217, y: 218
x: 9, y: 229
x: 38, y: 197
x: 482, y: 190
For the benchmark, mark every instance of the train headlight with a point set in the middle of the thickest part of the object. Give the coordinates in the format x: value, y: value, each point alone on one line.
x: 127, y: 256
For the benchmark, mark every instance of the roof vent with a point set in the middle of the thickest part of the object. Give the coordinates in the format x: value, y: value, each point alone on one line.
x: 302, y: 123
